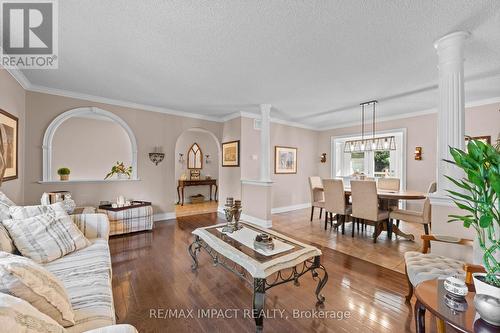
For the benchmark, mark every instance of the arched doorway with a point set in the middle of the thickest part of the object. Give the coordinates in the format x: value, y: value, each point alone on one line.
x: 208, y: 144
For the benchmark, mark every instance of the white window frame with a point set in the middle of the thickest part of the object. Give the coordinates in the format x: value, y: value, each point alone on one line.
x: 402, y: 152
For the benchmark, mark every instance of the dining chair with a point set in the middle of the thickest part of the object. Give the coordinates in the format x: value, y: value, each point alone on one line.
x: 317, y: 196
x: 422, y: 217
x: 365, y: 206
x: 335, y: 202
x: 389, y: 184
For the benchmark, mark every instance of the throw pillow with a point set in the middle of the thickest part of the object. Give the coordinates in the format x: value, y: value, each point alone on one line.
x: 6, y: 243
x: 17, y: 315
x: 46, y: 237
x: 5, y: 204
x: 23, y: 278
x: 23, y: 212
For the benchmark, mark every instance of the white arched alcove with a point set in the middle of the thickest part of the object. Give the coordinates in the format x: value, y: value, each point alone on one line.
x: 60, y: 119
x: 216, y: 160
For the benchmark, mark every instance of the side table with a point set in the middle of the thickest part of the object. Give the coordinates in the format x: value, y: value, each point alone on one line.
x: 123, y: 220
x: 430, y: 297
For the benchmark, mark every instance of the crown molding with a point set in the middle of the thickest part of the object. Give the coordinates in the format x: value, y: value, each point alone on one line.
x: 127, y: 104
x: 28, y: 86
x: 470, y: 104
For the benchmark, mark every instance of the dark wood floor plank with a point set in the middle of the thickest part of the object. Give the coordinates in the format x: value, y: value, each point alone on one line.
x: 151, y: 270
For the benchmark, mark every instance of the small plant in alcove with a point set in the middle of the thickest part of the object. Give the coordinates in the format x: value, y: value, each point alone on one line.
x: 63, y: 173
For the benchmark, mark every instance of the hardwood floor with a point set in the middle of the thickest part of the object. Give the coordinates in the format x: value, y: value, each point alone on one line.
x: 151, y: 271
x: 386, y: 252
x: 195, y: 209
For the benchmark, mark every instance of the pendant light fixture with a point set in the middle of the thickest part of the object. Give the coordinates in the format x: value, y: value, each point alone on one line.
x: 373, y: 144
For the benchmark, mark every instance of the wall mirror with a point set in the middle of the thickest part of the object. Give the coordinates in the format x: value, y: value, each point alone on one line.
x: 195, y: 157
x: 89, y: 141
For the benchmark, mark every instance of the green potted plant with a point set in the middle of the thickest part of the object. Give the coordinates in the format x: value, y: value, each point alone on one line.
x: 120, y: 170
x: 478, y: 195
x: 64, y: 173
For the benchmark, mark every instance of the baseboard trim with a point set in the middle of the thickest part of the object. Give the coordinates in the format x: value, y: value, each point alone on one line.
x: 256, y: 221
x: 290, y: 208
x: 164, y: 216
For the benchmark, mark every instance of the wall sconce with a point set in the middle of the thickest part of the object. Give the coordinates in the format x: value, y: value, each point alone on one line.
x: 207, y: 159
x: 323, y: 158
x: 157, y: 156
x: 418, y: 153
x: 181, y: 158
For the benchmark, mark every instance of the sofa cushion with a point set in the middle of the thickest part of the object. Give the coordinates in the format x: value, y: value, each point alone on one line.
x: 86, y: 275
x: 46, y: 237
x: 6, y: 243
x: 23, y: 212
x: 421, y: 267
x: 23, y: 278
x: 17, y: 315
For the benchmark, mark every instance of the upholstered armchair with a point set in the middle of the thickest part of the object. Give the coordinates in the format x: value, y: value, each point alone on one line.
x: 423, y: 266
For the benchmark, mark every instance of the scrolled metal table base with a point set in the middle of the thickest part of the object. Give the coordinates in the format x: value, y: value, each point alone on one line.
x: 260, y: 285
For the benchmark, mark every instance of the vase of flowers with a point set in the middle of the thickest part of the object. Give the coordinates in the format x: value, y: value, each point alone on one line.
x: 63, y: 173
x: 479, y: 196
x: 120, y: 170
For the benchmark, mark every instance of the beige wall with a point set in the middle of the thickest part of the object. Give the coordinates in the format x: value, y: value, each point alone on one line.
x: 150, y: 128
x: 209, y: 146
x: 230, y: 177
x: 89, y: 147
x: 12, y: 100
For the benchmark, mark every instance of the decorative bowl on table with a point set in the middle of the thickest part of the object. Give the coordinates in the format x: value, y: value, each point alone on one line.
x: 264, y: 242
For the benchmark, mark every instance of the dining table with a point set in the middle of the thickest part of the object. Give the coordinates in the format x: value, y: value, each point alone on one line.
x: 386, y: 195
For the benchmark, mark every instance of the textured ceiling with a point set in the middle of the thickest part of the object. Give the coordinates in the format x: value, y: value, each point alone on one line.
x: 314, y: 61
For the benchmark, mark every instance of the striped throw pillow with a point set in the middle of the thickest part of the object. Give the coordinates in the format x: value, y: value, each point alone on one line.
x: 45, y: 237
x: 23, y: 278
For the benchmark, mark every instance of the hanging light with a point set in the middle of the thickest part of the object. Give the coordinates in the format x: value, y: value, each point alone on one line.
x: 373, y: 144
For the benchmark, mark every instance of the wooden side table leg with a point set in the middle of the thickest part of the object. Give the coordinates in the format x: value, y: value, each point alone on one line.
x: 419, y: 317
x: 441, y: 326
x: 178, y: 196
x: 182, y: 196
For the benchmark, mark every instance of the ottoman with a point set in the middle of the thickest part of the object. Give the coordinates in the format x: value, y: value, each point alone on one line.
x: 123, y: 220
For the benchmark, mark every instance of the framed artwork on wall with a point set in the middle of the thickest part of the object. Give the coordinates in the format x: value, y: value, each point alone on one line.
x: 285, y: 160
x: 231, y: 154
x: 9, y: 140
x: 484, y: 138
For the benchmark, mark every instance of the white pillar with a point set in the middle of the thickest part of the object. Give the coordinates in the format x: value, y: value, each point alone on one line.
x: 451, y: 112
x: 265, y: 143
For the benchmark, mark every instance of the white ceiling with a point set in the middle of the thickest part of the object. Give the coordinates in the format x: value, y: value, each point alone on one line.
x: 314, y: 61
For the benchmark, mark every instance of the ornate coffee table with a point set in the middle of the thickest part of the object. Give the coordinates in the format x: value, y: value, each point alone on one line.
x: 262, y: 269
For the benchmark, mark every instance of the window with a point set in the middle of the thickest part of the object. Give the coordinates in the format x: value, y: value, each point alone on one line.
x: 380, y: 163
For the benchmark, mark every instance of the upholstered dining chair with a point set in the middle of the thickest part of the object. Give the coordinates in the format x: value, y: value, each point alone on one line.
x: 389, y: 184
x: 365, y: 206
x: 421, y: 217
x: 317, y: 197
x: 335, y: 202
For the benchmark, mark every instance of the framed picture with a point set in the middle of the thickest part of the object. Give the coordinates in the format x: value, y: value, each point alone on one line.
x: 194, y: 174
x: 285, y: 160
x: 484, y: 138
x: 231, y: 154
x: 9, y: 136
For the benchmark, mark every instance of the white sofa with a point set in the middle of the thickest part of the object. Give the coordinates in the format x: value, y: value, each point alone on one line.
x: 86, y: 275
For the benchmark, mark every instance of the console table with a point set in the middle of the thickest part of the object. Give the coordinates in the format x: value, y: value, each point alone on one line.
x: 201, y: 182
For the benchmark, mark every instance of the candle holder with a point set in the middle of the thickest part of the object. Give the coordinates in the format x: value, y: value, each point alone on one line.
x: 232, y: 213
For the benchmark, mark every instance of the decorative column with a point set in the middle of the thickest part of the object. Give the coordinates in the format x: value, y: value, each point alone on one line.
x: 450, y: 132
x: 265, y: 143
x: 451, y: 112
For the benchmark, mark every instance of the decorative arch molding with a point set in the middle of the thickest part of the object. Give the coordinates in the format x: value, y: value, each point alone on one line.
x: 54, y: 125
